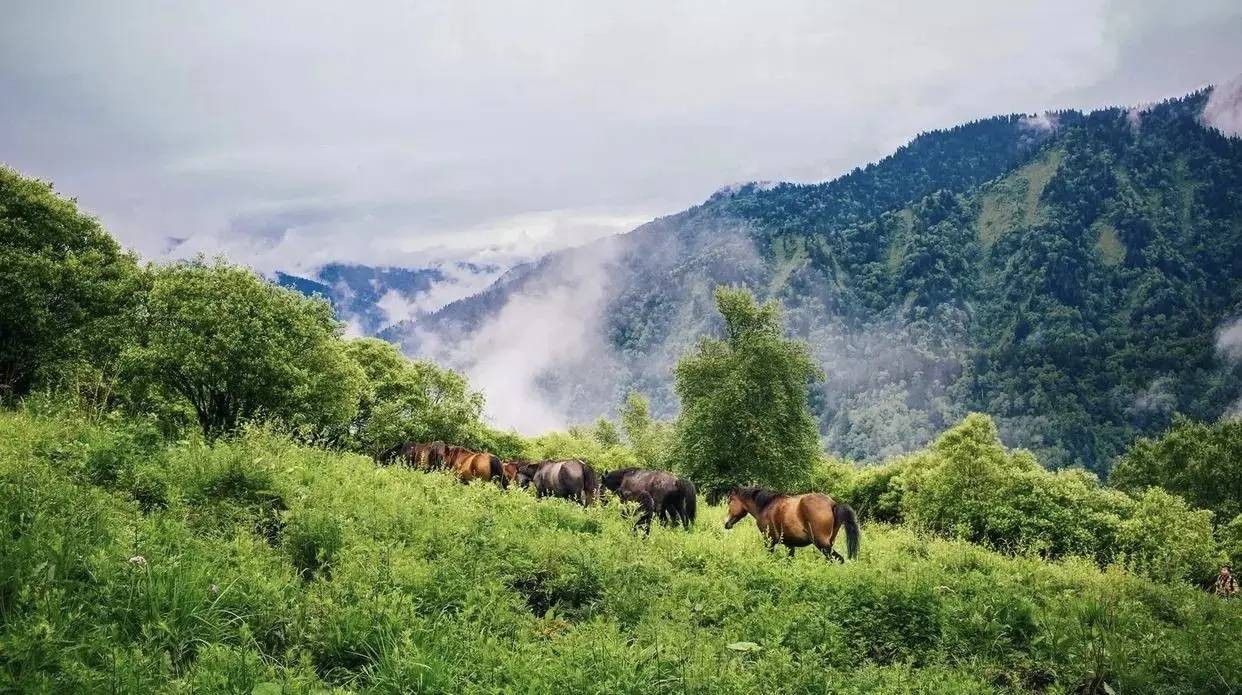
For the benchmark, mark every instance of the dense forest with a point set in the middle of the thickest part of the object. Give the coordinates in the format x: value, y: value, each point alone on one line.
x: 196, y: 492
x: 1068, y: 275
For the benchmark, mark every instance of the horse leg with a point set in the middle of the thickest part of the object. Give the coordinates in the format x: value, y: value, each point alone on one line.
x: 830, y: 554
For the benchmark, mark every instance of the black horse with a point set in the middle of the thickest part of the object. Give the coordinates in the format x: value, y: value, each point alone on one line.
x: 571, y: 480
x: 657, y: 493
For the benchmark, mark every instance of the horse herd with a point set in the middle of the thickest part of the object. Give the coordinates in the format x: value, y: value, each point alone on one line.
x: 794, y: 521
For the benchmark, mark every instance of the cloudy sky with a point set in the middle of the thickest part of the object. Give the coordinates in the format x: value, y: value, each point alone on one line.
x: 288, y: 133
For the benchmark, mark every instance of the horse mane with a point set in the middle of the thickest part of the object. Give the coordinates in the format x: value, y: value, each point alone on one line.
x: 762, y: 496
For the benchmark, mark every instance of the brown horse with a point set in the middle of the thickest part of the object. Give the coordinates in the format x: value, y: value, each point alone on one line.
x: 427, y: 456
x: 470, y: 465
x: 509, y: 469
x: 796, y: 520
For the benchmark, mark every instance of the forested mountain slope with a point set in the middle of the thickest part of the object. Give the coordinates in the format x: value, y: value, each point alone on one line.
x: 1067, y: 274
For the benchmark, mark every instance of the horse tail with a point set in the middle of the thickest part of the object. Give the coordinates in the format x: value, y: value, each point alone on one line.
x: 497, y: 471
x: 846, y: 517
x: 689, y: 501
x: 590, y: 486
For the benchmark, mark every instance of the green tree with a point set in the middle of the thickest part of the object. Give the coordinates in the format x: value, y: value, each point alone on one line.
x: 606, y: 433
x: 1199, y: 461
x: 237, y: 348
x: 68, y: 290
x: 411, y: 400
x: 650, y: 440
x: 745, y: 417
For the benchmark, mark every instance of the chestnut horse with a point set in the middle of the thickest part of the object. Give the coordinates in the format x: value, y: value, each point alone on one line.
x: 470, y: 465
x: 796, y: 520
x: 423, y: 456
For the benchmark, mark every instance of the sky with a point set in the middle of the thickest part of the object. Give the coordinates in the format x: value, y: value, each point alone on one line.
x: 288, y: 134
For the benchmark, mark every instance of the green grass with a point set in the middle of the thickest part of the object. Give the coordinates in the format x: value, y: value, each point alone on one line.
x: 1112, y: 251
x: 1014, y: 200
x: 269, y: 567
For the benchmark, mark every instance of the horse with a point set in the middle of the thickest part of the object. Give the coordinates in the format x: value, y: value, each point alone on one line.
x: 509, y: 469
x: 796, y: 520
x: 470, y: 465
x: 656, y: 492
x: 424, y: 456
x: 571, y: 480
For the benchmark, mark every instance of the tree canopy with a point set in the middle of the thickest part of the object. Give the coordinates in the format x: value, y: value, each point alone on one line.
x: 410, y: 400
x: 745, y: 417
x: 68, y: 288
x: 1201, y: 462
x: 236, y: 347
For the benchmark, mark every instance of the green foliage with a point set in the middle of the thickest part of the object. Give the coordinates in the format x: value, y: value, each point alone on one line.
x: 410, y: 401
x: 392, y: 580
x: 237, y: 348
x: 579, y: 443
x: 1230, y: 536
x: 744, y: 402
x: 652, y: 442
x: 1201, y: 462
x: 968, y: 485
x: 69, y: 293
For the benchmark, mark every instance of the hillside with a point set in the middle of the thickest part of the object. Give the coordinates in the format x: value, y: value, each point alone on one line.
x: 371, y: 298
x: 260, y: 566
x: 1067, y: 275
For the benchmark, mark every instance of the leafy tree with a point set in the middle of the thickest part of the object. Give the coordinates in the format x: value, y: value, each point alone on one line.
x: 605, y: 432
x: 237, y: 348
x: 68, y: 290
x: 651, y: 441
x: 744, y: 416
x: 1199, y: 461
x: 410, y: 400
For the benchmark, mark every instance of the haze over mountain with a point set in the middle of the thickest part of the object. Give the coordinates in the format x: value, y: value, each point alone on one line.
x: 1068, y: 273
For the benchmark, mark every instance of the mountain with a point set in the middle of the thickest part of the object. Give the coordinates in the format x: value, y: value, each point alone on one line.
x: 1067, y: 273
x: 370, y: 298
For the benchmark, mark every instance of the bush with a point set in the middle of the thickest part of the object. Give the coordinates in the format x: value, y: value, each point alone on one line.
x: 967, y: 485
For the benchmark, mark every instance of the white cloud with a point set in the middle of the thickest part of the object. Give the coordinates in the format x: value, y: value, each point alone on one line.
x: 1044, y: 122
x: 290, y: 134
x: 1223, y: 110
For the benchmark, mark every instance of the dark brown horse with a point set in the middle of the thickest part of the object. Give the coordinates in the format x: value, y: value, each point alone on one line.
x: 470, y: 465
x: 657, y: 493
x: 796, y: 520
x: 427, y: 456
x: 571, y: 480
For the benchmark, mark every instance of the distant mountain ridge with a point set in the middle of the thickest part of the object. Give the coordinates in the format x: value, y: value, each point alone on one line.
x: 362, y: 294
x: 1066, y: 273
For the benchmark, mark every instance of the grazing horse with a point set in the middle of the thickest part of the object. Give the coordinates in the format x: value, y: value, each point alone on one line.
x: 656, y: 492
x: 470, y: 465
x: 571, y: 480
x: 796, y: 520
x: 424, y: 456
x: 509, y: 469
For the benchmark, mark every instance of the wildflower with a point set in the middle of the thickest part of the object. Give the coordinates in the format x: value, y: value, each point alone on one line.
x: 138, y: 561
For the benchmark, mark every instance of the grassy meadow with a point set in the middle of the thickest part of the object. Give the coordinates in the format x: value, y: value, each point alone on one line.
x: 259, y: 566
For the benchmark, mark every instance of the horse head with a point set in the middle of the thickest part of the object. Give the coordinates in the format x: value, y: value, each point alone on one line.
x: 738, y: 506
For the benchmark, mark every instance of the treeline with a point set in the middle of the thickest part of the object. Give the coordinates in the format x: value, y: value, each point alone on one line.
x: 203, y: 348
x: 1069, y: 279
